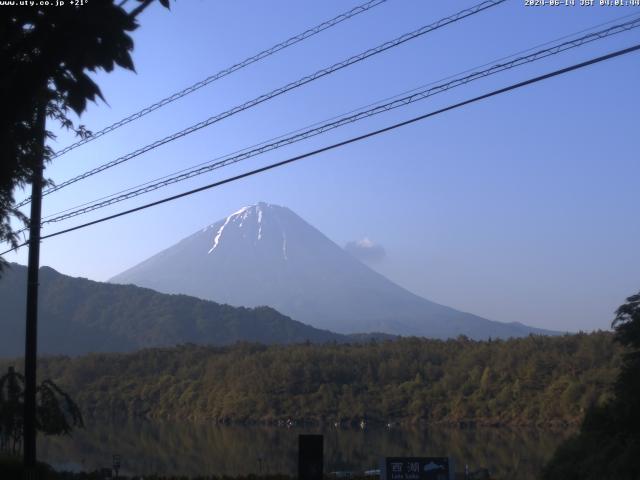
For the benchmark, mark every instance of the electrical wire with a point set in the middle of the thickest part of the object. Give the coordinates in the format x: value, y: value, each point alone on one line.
x: 302, y: 135
x: 279, y: 91
x: 223, y: 73
x: 335, y: 117
x: 493, y: 93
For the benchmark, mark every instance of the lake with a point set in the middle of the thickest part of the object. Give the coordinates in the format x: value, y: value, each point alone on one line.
x: 172, y: 448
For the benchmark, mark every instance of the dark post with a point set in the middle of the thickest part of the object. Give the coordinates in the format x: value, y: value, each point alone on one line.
x: 116, y: 464
x: 31, y: 340
x: 310, y: 457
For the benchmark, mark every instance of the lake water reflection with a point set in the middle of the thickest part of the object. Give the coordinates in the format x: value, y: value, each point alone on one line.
x: 191, y: 449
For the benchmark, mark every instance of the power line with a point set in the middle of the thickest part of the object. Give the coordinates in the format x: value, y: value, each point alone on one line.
x: 227, y: 71
x: 347, y: 119
x: 379, y: 102
x: 493, y: 93
x: 279, y: 91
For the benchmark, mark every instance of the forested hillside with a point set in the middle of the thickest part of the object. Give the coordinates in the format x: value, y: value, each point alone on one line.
x: 533, y: 380
x: 80, y: 316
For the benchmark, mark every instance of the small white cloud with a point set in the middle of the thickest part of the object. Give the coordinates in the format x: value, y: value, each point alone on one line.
x: 365, y: 243
x: 365, y: 250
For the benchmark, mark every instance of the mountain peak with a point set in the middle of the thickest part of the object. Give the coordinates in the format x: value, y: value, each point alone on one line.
x: 250, y: 223
x: 255, y: 208
x: 265, y: 254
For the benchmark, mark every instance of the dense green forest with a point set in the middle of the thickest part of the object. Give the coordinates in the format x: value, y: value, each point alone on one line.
x: 533, y: 380
x: 607, y: 445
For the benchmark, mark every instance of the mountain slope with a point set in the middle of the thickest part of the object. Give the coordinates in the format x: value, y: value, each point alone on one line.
x: 79, y: 316
x: 266, y: 255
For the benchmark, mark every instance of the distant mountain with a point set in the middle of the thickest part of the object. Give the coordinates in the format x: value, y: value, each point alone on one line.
x: 80, y: 316
x: 267, y: 255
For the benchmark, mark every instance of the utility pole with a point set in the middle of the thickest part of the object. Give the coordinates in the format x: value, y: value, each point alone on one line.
x: 31, y: 340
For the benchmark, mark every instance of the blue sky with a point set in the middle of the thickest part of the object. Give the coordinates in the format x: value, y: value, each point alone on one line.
x: 519, y: 208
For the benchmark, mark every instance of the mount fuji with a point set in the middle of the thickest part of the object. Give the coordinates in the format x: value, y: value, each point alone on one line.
x: 267, y: 255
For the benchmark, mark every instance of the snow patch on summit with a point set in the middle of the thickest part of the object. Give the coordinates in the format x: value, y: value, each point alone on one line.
x: 238, y: 219
x: 284, y: 246
x: 216, y: 239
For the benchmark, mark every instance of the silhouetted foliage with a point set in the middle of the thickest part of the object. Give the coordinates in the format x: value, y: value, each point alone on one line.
x: 533, y: 380
x: 45, y: 53
x: 608, y: 444
x: 11, y: 392
x: 12, y: 468
x: 56, y: 412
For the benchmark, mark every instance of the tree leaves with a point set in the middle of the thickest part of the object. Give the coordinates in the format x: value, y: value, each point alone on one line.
x: 45, y: 54
x: 56, y: 412
x: 608, y: 445
x: 627, y: 322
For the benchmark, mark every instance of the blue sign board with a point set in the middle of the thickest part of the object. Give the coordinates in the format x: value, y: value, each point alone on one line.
x: 417, y: 468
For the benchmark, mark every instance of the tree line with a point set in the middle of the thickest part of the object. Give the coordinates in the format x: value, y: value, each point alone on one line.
x: 607, y: 446
x: 536, y: 380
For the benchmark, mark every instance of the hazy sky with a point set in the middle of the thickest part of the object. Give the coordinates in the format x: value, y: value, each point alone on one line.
x: 521, y: 208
